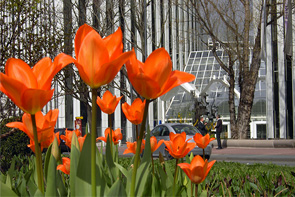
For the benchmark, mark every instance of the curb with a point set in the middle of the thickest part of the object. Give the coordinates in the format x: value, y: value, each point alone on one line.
x: 280, y: 143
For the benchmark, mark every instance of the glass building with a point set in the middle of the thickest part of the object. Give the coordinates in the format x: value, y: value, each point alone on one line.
x: 212, y: 89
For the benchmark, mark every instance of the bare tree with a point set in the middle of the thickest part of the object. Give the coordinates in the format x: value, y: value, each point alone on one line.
x: 230, y: 23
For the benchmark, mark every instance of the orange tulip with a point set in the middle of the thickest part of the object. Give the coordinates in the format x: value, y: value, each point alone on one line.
x: 81, y: 141
x: 99, y: 60
x: 108, y: 103
x: 155, y: 77
x: 131, y: 147
x: 45, y: 127
x: 65, y: 166
x: 116, y: 135
x: 154, y: 144
x: 202, y: 141
x: 178, y: 147
x: 198, y: 170
x: 29, y: 88
x: 134, y: 113
x: 68, y: 137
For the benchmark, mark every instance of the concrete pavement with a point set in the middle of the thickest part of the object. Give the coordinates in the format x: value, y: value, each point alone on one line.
x: 249, y: 155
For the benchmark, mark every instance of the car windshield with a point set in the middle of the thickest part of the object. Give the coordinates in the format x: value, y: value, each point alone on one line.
x: 188, y: 129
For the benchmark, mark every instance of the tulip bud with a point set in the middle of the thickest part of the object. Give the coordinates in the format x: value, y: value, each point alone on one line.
x: 75, y: 142
x: 55, y: 151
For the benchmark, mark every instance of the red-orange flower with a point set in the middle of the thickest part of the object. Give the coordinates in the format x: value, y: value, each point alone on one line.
x: 178, y: 147
x: 116, y: 135
x: 154, y: 144
x: 81, y: 141
x: 134, y: 113
x: 99, y: 60
x: 29, y: 88
x: 108, y: 103
x: 198, y: 170
x: 202, y: 141
x: 131, y: 147
x: 155, y: 77
x: 45, y: 127
x: 68, y: 137
x: 65, y: 166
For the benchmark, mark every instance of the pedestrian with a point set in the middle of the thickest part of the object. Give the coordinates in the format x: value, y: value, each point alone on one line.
x: 218, y: 128
x: 202, y: 126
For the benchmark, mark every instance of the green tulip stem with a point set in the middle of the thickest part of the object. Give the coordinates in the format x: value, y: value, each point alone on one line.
x: 93, y: 142
x: 175, y: 176
x: 38, y: 156
x: 196, y: 190
x: 111, y: 133
x: 138, y: 148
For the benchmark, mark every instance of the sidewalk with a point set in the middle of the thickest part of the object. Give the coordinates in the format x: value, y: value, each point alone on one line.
x: 280, y: 156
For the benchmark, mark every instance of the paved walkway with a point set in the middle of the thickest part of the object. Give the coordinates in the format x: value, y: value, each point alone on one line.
x: 244, y: 154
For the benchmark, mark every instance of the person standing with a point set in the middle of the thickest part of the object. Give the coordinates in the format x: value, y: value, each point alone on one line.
x: 218, y: 128
x: 202, y: 126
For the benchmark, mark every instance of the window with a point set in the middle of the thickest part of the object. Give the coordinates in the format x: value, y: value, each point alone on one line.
x: 165, y: 131
x: 157, y: 131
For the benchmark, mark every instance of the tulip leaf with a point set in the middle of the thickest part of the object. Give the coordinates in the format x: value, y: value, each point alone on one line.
x: 110, y: 162
x: 117, y: 189
x: 6, y: 191
x: 51, y: 186
x: 83, y: 176
x: 75, y: 154
x: 32, y: 187
x: 204, y: 193
x: 143, y: 172
x: 147, y: 149
x: 46, y: 162
x: 126, y: 173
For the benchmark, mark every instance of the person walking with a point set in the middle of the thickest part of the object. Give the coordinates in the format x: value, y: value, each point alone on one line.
x: 218, y: 128
x: 202, y: 126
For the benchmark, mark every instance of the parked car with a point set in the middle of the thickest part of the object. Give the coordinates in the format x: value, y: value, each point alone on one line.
x: 162, y: 132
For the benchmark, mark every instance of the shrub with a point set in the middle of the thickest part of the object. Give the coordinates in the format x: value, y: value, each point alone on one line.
x: 12, y: 144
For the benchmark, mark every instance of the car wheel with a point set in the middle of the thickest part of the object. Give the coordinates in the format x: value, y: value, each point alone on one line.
x: 167, y: 155
x: 207, y: 157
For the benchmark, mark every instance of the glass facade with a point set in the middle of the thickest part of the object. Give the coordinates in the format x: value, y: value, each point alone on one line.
x: 206, y: 69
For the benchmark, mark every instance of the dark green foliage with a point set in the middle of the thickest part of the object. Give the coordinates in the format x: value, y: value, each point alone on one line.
x: 13, y: 144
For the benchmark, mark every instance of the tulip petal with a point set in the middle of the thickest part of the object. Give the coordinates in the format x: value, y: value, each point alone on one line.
x: 92, y: 56
x: 158, y: 66
x: 80, y: 35
x: 12, y: 88
x: 176, y: 78
x: 19, y: 70
x: 108, y: 71
x: 43, y: 71
x: 33, y: 100
x: 114, y: 44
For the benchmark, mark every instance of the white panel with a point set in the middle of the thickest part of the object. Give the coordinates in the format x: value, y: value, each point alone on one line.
x: 269, y: 86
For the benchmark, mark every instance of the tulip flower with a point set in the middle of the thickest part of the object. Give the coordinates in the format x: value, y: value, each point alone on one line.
x: 197, y: 170
x: 116, y: 135
x: 202, y: 141
x: 99, y: 60
x: 134, y: 113
x: 178, y: 147
x: 81, y: 141
x: 154, y: 144
x: 29, y: 88
x: 45, y: 127
x: 131, y: 147
x: 68, y: 137
x: 108, y: 103
x: 65, y: 166
x: 155, y: 77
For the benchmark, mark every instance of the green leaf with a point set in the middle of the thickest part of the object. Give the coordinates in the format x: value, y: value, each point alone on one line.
x: 117, y: 189
x: 51, y: 187
x: 110, y: 162
x: 143, y: 173
x: 6, y: 191
x: 83, y: 176
x: 46, y: 162
x: 75, y: 154
x: 147, y: 150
